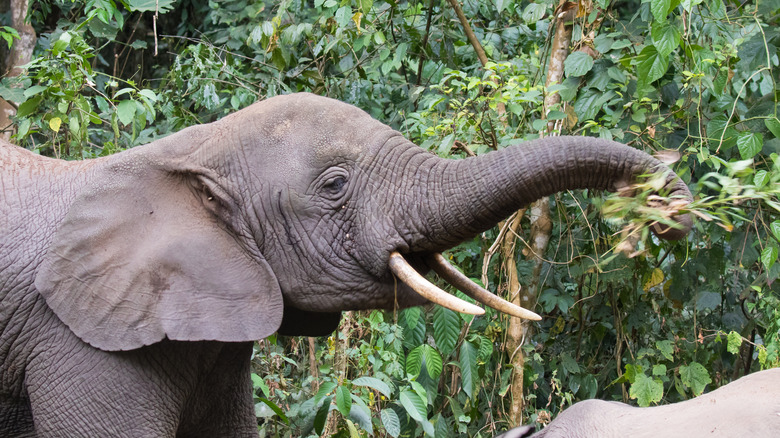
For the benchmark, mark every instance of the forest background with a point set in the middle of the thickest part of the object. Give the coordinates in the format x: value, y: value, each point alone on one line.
x: 626, y: 317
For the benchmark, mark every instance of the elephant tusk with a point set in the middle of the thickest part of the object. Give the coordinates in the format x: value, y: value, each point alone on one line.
x: 407, y: 274
x: 439, y: 264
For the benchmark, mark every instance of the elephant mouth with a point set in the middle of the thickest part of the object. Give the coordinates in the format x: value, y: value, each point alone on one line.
x: 409, y: 270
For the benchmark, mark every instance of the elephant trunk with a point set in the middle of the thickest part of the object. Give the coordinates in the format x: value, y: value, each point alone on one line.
x: 466, y: 197
x: 476, y: 193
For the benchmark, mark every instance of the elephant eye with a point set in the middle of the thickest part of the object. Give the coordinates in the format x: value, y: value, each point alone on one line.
x: 335, y: 185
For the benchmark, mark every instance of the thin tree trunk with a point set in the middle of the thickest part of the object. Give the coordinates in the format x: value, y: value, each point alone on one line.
x: 19, y: 54
x: 541, y: 226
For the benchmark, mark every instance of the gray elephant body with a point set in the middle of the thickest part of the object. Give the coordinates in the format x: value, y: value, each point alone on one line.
x: 47, y: 374
x: 747, y: 407
x: 132, y: 286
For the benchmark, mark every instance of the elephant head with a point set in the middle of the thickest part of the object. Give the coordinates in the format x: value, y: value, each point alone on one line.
x: 283, y: 214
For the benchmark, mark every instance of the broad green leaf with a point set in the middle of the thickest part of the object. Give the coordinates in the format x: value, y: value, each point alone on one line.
x: 577, y: 64
x: 666, y: 38
x: 666, y: 348
x: 322, y: 415
x: 366, y: 5
x: 734, y: 342
x: 485, y: 348
x: 414, y: 405
x: 125, y: 110
x: 569, y: 364
x: 468, y: 367
x: 775, y: 226
x: 353, y: 432
x: 161, y: 6
x: 433, y: 362
x: 500, y: 5
x: 534, y: 12
x: 35, y: 89
x: 651, y: 65
x: 343, y: 400
x: 446, y: 329
x: 689, y: 4
x: 414, y: 362
x: 361, y: 414
x: 646, y: 390
x: 761, y: 178
x: 390, y: 422
x: 749, y: 144
x: 258, y: 382
x: 374, y: 383
x: 695, y: 376
x: 707, y: 300
x: 277, y: 410
x: 716, y: 128
x: 29, y: 106
x: 773, y: 125
x: 660, y: 9
x: 325, y: 389
x: 769, y: 256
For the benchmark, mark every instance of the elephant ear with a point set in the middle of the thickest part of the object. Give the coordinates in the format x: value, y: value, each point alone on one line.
x: 141, y: 255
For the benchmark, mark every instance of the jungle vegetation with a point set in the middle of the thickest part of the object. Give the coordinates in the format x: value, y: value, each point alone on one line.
x: 625, y: 316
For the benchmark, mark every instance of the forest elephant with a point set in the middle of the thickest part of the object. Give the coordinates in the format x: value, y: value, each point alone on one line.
x: 747, y: 407
x: 132, y: 286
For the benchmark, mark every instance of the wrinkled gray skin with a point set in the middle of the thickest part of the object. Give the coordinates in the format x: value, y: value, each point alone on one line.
x: 132, y: 286
x: 747, y: 407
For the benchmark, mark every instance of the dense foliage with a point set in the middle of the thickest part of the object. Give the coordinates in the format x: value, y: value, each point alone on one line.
x: 697, y: 77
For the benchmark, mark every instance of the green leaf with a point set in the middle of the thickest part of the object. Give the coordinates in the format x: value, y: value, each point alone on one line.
x: 433, y: 362
x: 151, y: 5
x: 361, y: 414
x: 390, y: 422
x: 749, y: 144
x: 29, y: 107
x: 689, y: 4
x: 446, y: 329
x: 125, y: 110
x: 773, y: 125
x: 761, y: 178
x: 374, y: 383
x: 468, y: 367
x: 695, y: 376
x: 577, y: 64
x: 35, y: 89
x: 666, y: 348
x: 716, y: 128
x: 414, y: 405
x: 775, y: 226
x: 277, y: 410
x: 666, y: 38
x: 734, y: 342
x: 353, y: 432
x: 343, y: 400
x: 651, y: 65
x: 534, y: 12
x: 769, y: 256
x: 569, y: 364
x: 660, y: 9
x: 646, y: 390
x: 258, y: 382
x: 366, y: 5
x: 325, y: 389
x: 322, y: 415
